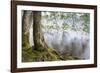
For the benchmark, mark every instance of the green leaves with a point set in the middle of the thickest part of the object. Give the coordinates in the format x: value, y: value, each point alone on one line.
x: 67, y: 20
x: 65, y: 26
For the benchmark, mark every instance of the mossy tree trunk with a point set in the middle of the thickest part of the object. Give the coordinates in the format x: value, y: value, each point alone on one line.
x: 39, y: 43
x: 25, y: 29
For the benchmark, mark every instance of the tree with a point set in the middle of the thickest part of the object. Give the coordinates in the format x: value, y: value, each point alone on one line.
x: 39, y: 42
x: 25, y: 29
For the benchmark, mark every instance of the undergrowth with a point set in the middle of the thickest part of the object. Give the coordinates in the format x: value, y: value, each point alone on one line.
x: 30, y: 55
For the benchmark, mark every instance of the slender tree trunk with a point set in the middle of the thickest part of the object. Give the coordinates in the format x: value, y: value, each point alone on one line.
x: 25, y: 29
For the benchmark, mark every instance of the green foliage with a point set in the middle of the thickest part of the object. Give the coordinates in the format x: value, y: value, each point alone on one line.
x: 74, y: 28
x: 86, y: 18
x: 58, y: 21
x: 86, y: 28
x: 50, y: 26
x: 65, y: 26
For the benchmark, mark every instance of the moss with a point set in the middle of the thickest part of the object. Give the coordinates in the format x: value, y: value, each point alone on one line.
x: 54, y: 54
x: 29, y: 55
x: 38, y: 55
x: 40, y: 49
x: 25, y: 41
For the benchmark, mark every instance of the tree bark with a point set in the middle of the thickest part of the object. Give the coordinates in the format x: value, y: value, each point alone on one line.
x: 39, y: 42
x: 25, y: 29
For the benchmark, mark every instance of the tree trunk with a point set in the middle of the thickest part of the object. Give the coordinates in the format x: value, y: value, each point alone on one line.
x: 25, y: 29
x: 39, y: 42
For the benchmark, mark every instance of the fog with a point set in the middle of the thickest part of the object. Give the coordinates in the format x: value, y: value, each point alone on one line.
x: 66, y: 42
x: 68, y: 35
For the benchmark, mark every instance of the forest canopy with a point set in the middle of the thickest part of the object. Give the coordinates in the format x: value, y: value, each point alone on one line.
x: 66, y: 20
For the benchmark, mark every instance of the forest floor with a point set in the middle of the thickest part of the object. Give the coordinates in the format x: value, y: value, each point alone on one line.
x: 30, y: 55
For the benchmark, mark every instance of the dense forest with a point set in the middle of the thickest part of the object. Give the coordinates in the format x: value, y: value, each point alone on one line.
x: 53, y: 36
